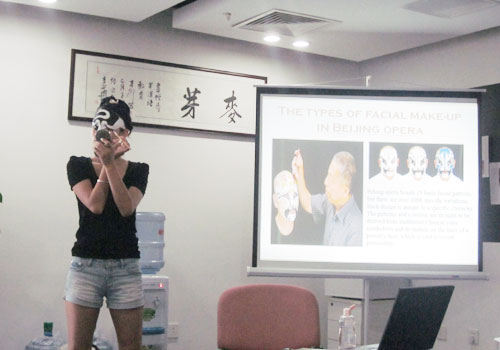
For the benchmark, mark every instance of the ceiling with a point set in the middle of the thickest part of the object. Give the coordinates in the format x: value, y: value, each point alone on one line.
x: 355, y: 30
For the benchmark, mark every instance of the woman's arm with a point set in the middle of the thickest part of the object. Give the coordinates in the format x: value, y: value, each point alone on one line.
x: 126, y: 200
x: 94, y: 198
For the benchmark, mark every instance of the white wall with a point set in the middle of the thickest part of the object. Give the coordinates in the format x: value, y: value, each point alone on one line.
x: 203, y: 184
x: 466, y: 62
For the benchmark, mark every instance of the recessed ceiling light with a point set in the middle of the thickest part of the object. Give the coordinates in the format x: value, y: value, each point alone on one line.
x: 272, y: 38
x: 300, y: 43
x: 48, y: 1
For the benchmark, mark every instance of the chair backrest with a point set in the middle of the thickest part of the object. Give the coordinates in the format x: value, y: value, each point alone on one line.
x: 267, y: 317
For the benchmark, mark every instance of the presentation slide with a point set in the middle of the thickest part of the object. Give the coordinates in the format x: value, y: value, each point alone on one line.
x: 361, y: 181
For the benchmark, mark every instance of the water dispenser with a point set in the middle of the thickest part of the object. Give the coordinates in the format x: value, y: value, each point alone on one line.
x: 155, y: 314
x: 150, y: 230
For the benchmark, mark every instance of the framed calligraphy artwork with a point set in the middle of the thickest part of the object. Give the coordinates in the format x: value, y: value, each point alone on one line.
x: 164, y: 95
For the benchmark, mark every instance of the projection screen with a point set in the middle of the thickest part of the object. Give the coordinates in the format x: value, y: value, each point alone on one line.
x: 366, y: 179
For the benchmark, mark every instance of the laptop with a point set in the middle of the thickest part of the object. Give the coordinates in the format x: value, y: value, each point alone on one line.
x: 415, y: 319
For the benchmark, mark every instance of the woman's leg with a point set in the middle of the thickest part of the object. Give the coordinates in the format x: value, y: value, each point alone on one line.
x: 128, y: 326
x: 81, y: 325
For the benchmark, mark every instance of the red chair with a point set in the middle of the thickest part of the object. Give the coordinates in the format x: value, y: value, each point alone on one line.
x: 267, y: 317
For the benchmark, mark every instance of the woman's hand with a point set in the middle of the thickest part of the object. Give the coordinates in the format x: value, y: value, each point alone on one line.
x: 104, y: 150
x: 121, y: 145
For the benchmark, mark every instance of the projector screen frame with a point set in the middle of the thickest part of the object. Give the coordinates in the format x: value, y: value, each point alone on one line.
x: 319, y: 269
x: 365, y: 274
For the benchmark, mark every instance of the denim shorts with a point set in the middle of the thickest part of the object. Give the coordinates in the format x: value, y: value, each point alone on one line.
x: 119, y: 280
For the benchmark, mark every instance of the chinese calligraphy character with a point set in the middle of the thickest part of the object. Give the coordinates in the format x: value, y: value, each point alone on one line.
x: 113, y: 85
x: 158, y: 96
x: 140, y: 86
x: 131, y: 94
x: 149, y: 101
x: 104, y: 90
x: 122, y: 88
x: 232, y: 109
x: 191, y: 102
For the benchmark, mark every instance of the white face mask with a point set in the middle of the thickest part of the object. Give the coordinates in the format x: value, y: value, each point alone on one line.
x: 287, y: 194
x: 388, y: 161
x: 445, y: 162
x: 417, y: 162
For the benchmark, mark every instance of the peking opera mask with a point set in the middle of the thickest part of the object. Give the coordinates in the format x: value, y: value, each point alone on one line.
x: 417, y: 162
x: 388, y: 161
x: 444, y: 163
x: 286, y: 195
x: 111, y: 115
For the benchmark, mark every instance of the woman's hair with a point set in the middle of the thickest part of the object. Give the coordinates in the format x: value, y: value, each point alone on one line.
x: 120, y: 107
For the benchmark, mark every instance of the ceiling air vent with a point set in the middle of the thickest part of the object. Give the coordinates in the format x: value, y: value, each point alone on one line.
x: 450, y: 8
x: 285, y: 23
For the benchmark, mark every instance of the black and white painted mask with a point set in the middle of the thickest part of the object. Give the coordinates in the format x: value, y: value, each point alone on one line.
x: 107, y: 117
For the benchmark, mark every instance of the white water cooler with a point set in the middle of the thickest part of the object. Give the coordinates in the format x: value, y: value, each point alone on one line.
x: 155, y: 316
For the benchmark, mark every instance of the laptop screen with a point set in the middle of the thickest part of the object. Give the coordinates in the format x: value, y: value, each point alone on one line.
x: 416, y: 318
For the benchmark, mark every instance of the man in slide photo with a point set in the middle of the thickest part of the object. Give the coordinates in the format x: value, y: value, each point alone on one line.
x: 336, y: 207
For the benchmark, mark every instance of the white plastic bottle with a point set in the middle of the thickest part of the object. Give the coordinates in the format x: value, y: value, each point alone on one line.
x: 347, y: 332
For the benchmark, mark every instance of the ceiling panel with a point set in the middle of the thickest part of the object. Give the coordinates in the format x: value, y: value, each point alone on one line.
x: 355, y: 30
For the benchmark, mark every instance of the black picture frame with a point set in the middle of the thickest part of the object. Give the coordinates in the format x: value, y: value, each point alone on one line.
x: 164, y: 95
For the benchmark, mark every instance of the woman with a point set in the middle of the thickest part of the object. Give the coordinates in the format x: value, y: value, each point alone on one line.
x: 106, y: 255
